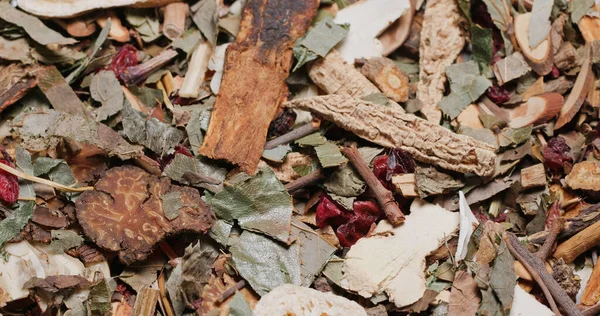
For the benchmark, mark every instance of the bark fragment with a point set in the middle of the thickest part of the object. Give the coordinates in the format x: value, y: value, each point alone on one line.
x: 253, y: 84
x: 14, y: 83
x: 441, y: 42
x: 125, y: 213
x: 425, y: 141
x: 384, y: 73
x: 58, y: 91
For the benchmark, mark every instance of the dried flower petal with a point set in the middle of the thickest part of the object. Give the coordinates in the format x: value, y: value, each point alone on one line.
x: 9, y: 184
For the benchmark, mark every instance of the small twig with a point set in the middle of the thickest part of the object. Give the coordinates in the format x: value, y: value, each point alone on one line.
x: 137, y: 74
x: 297, y: 133
x: 383, y: 195
x: 592, y: 311
x: 163, y: 296
x: 546, y: 250
x: 304, y: 181
x: 167, y: 250
x: 536, y: 268
x: 31, y: 178
x: 230, y: 291
x: 174, y: 19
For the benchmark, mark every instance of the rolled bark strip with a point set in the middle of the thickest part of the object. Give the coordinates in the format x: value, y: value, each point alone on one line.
x: 578, y: 244
x: 196, y: 70
x: 253, y: 84
x: 174, y: 22
x: 591, y: 293
x: 540, y: 58
x: 117, y: 31
x: 426, y: 141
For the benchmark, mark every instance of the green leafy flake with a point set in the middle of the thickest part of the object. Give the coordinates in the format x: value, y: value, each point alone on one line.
x: 85, y: 62
x: 142, y: 274
x: 154, y: 134
x: 314, y: 251
x: 63, y: 240
x: 430, y: 181
x: 511, y: 67
x: 12, y: 225
x: 151, y: 98
x: 314, y: 139
x: 277, y: 154
x: 188, y: 41
x: 172, y: 286
x: 265, y: 263
x: 333, y: 270
x: 186, y: 169
x: 260, y: 204
x: 540, y: 17
x: 32, y: 26
x: 465, y: 8
x: 196, y: 268
x: 220, y: 231
x: 377, y: 98
x: 238, y: 306
x: 329, y: 155
x: 466, y: 85
x: 481, y: 40
x: 23, y: 162
x: 145, y: 21
x: 502, y: 276
x: 51, y: 55
x: 56, y: 170
x: 500, y: 12
x: 318, y: 41
x: 171, y: 203
x: 346, y: 202
x: 511, y: 137
x: 579, y: 9
x: 99, y: 299
x: 346, y: 182
x: 206, y: 18
x: 482, y: 134
x: 106, y: 89
x: 199, y: 118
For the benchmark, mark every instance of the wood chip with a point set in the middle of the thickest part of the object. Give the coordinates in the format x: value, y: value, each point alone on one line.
x: 534, y: 176
x: 384, y: 73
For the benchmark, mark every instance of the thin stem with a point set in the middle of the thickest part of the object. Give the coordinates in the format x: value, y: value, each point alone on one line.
x: 546, y: 248
x: 304, y: 181
x: 291, y: 136
x: 137, y: 74
x: 31, y: 178
x: 230, y: 291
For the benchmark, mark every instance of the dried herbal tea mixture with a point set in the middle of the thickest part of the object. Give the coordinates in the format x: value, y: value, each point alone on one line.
x: 299, y: 157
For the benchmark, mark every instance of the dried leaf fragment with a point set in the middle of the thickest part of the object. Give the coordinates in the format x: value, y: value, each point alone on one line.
x: 124, y: 213
x: 425, y: 141
x: 464, y: 297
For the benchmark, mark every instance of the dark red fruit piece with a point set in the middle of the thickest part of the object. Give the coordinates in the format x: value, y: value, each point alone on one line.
x: 552, y: 214
x: 397, y: 162
x: 283, y: 123
x: 556, y: 154
x: 126, y: 57
x: 329, y: 212
x: 498, y: 94
x: 166, y: 159
x: 555, y: 73
x: 9, y: 184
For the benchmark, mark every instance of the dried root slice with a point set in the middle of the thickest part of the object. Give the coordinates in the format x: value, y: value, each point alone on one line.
x: 541, y: 58
x: 175, y: 14
x: 426, y: 141
x: 579, y: 92
x: 78, y: 27
x: 70, y: 8
x: 125, y: 212
x: 584, y: 176
x: 397, y: 33
x: 384, y: 73
x: 117, y: 31
x: 253, y: 84
x: 536, y: 110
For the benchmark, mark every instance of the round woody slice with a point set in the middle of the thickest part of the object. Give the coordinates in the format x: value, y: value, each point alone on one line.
x: 125, y: 213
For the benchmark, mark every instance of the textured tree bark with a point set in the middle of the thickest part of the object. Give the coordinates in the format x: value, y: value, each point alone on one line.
x: 253, y: 84
x: 426, y: 141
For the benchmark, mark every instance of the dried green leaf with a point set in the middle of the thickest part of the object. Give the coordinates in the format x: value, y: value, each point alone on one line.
x: 106, y: 89
x: 142, y: 274
x: 500, y: 12
x: 188, y: 41
x: 85, y: 62
x: 171, y: 203
x: 512, y: 137
x: 502, y: 277
x: 377, y: 98
x: 196, y: 270
x: 206, y: 18
x: 318, y: 41
x: 23, y: 162
x: 579, y: 8
x: 183, y: 169
x: 346, y: 182
x: 151, y: 98
x: 63, y: 240
x: 260, y: 204
x: 145, y: 21
x: 333, y: 270
x: 314, y: 251
x: 465, y: 8
x: 51, y: 55
x: 32, y: 26
x: 482, y: 134
x: 540, y: 17
x: 154, y: 134
x: 99, y: 299
x: 220, y: 231
x: 481, y: 40
x: 265, y: 263
x: 238, y: 306
x: 329, y: 155
x: 511, y: 67
x: 314, y: 139
x: 430, y: 181
x: 277, y: 154
x: 56, y: 170
x: 12, y: 225
x: 466, y: 86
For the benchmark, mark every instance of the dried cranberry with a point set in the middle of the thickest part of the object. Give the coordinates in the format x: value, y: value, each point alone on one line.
x: 9, y: 184
x: 480, y: 15
x: 329, y: 212
x: 555, y: 73
x: 556, y: 154
x: 552, y: 214
x: 126, y: 57
x: 498, y: 94
x: 283, y: 123
x: 397, y: 162
x: 124, y: 290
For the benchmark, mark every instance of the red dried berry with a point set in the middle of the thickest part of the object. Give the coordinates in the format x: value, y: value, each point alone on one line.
x: 329, y: 212
x: 397, y: 162
x: 9, y: 184
x: 555, y: 73
x: 126, y: 57
x: 556, y: 154
x: 498, y: 94
x: 552, y: 214
x: 283, y: 123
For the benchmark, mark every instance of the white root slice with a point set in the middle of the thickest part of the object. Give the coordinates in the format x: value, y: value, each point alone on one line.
x: 196, y: 71
x: 70, y: 8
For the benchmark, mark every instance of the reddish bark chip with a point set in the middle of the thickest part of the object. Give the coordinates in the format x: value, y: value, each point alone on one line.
x: 125, y: 213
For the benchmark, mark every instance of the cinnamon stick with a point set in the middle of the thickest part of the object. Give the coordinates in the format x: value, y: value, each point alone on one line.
x: 546, y: 248
x: 553, y: 291
x: 174, y: 23
x: 297, y: 133
x: 383, y: 195
x: 578, y: 244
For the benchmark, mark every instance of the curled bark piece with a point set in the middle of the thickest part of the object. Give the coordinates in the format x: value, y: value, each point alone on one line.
x: 253, y: 83
x: 441, y: 42
x: 78, y: 27
x: 541, y: 58
x: 578, y: 93
x: 384, y: 73
x: 117, y: 31
x: 175, y: 14
x: 125, y: 213
x: 67, y: 8
x: 537, y: 110
x: 425, y: 141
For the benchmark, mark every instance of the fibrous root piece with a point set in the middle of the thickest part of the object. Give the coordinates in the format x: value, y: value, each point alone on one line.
x: 253, y: 84
x: 125, y: 213
x: 441, y: 42
x: 426, y: 141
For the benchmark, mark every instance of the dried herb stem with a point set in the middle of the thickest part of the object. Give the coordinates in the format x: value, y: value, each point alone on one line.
x: 592, y: 311
x: 304, y: 181
x: 546, y: 249
x: 297, y: 133
x: 573, y: 225
x: 382, y: 195
x: 137, y: 74
x: 163, y: 295
x: 552, y: 290
x: 230, y: 291
x: 31, y: 178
